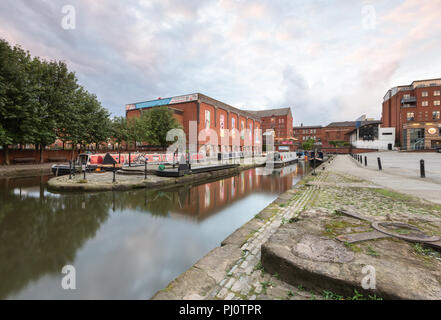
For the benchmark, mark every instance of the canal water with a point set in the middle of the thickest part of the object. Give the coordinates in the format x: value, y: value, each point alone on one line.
x: 123, y: 245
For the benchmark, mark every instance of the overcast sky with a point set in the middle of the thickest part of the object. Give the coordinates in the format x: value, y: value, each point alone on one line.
x: 327, y: 60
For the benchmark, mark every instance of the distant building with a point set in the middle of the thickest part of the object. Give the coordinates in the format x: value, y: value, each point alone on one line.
x: 371, y: 135
x: 414, y: 111
x: 327, y: 136
x: 280, y: 120
x: 304, y: 133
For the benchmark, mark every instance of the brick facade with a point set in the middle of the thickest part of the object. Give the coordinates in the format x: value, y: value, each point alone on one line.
x: 208, y: 113
x: 413, y: 108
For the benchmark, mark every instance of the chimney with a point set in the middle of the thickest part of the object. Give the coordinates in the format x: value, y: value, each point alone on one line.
x: 301, y: 124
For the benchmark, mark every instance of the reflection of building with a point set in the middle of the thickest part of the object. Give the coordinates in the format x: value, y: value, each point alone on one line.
x: 279, y: 120
x: 372, y: 136
x: 203, y: 201
x: 414, y: 111
x: 208, y: 113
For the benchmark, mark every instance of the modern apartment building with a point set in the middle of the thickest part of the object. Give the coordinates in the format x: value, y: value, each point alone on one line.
x: 414, y: 111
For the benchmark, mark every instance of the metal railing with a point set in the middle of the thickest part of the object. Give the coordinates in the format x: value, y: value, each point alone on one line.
x: 417, y: 145
x: 407, y: 100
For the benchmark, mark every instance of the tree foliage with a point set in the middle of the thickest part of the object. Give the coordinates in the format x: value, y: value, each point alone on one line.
x: 41, y: 101
x: 308, y: 145
x: 154, y: 125
x: 339, y: 143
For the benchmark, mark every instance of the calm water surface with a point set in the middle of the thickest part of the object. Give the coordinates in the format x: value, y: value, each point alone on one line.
x: 123, y: 245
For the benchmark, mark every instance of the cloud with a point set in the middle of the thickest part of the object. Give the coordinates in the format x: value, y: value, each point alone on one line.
x: 314, y: 56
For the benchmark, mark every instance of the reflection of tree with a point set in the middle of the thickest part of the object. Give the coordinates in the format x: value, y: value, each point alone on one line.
x: 40, y: 236
x: 157, y: 203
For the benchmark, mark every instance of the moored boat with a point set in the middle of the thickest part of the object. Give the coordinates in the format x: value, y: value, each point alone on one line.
x: 77, y: 165
x: 316, y: 158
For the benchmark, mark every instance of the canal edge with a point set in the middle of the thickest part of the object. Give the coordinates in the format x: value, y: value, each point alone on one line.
x: 224, y: 272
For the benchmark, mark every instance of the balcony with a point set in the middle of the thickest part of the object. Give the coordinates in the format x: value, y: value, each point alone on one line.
x: 407, y: 105
x: 408, y: 100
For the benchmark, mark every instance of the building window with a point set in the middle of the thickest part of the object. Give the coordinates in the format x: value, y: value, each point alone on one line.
x: 406, y: 96
x: 425, y: 103
x: 437, y: 93
x: 410, y: 116
x: 425, y: 94
x: 436, y: 102
x: 435, y: 115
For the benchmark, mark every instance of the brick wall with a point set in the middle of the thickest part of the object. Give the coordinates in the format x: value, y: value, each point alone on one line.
x: 13, y: 153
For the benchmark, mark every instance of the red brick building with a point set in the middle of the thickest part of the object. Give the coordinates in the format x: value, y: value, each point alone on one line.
x: 414, y: 111
x: 281, y: 121
x: 337, y: 131
x: 304, y: 133
x: 208, y: 113
x: 323, y: 136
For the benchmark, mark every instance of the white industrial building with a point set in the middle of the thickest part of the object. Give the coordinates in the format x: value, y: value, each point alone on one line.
x: 373, y: 136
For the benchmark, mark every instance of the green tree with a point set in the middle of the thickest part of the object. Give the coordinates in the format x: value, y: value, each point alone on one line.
x: 15, y: 97
x: 135, y: 131
x: 41, y: 101
x: 155, y: 123
x: 119, y: 130
x: 308, y: 145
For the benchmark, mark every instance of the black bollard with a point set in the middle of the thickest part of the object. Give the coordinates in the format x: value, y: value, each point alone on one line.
x: 114, y: 180
x: 379, y: 164
x: 145, y: 170
x: 130, y: 160
x: 365, y: 161
x: 422, y: 169
x: 85, y: 168
x: 70, y: 169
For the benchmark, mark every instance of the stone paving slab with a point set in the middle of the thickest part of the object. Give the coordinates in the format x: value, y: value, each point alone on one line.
x: 425, y: 188
x: 303, y: 254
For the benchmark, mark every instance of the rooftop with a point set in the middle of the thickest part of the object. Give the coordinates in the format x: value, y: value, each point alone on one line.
x: 189, y: 98
x: 307, y: 127
x: 271, y: 112
x: 351, y: 123
x: 415, y: 84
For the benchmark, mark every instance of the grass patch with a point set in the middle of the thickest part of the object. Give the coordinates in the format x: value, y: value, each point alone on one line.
x: 370, y: 251
x: 329, y: 295
x: 332, y: 229
x: 294, y: 220
x: 352, y: 247
x: 426, y: 252
x: 266, y: 285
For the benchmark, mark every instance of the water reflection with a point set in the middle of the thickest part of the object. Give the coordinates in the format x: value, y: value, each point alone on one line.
x: 123, y: 244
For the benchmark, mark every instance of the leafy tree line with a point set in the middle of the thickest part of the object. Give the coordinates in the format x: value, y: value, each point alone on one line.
x: 151, y: 127
x: 41, y: 101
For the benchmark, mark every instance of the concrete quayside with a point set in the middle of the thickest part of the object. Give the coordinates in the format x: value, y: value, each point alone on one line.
x: 293, y: 249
